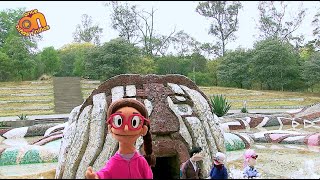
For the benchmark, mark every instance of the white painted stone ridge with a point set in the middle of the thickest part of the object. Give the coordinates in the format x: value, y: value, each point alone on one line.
x: 149, y: 106
x: 181, y: 98
x: 182, y: 109
x: 16, y: 133
x: 203, y: 109
x: 176, y: 88
x: 183, y: 129
x: 199, y: 138
x: 74, y: 114
x: 16, y: 142
x: 68, y: 135
x: 293, y: 139
x: 96, y: 133
x: 117, y: 93
x: 131, y: 90
x: 49, y: 131
x: 79, y: 142
x: 109, y: 148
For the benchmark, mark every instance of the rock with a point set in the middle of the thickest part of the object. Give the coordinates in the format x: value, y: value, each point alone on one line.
x: 180, y: 114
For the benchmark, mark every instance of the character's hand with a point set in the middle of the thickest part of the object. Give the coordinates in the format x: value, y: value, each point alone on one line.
x: 90, y: 174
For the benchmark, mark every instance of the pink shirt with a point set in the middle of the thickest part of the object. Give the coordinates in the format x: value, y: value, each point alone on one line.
x: 118, y: 168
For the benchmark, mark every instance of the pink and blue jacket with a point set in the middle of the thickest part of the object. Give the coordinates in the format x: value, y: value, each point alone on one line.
x: 118, y: 168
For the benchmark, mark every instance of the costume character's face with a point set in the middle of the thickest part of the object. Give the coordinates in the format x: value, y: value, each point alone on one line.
x: 252, y: 160
x: 197, y: 157
x: 127, y: 124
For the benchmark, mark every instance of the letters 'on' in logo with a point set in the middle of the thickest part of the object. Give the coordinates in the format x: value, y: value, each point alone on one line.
x: 32, y: 22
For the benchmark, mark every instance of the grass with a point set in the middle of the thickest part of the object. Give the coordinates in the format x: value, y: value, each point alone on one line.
x: 87, y: 88
x: 243, y: 94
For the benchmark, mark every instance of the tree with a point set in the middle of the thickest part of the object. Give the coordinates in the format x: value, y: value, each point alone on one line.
x: 123, y: 20
x: 234, y: 69
x: 274, y: 64
x: 152, y: 44
x: 19, y: 53
x: 138, y: 26
x: 6, y: 67
x: 311, y: 70
x: 8, y: 21
x: 184, y: 44
x: 145, y: 65
x: 73, y: 57
x: 272, y: 23
x: 212, y: 69
x: 87, y: 32
x: 224, y: 20
x: 316, y: 31
x: 112, y: 58
x: 172, y: 65
x: 49, y: 57
x: 209, y: 49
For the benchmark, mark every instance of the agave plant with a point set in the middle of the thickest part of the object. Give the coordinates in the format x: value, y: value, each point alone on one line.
x: 220, y: 105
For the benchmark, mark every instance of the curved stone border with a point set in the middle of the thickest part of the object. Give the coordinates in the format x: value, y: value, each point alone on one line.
x: 268, y: 121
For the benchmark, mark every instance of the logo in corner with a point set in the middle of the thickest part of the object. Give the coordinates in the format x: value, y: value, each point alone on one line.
x: 33, y: 22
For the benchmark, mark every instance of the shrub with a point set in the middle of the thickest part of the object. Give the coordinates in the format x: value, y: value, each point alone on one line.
x: 23, y: 117
x: 220, y: 106
x: 244, y: 110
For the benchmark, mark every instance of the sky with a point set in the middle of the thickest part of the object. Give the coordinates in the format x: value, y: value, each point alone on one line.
x: 63, y: 17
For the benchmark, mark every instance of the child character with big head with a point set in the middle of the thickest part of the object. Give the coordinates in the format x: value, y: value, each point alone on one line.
x: 191, y: 168
x: 127, y: 119
x: 219, y: 171
x: 250, y: 171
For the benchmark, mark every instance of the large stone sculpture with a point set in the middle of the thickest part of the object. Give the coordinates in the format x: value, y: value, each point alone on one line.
x: 180, y: 115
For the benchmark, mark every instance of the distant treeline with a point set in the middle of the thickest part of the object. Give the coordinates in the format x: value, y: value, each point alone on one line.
x: 272, y: 64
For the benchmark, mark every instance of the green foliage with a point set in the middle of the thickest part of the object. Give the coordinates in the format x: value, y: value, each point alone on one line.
x: 244, y: 110
x: 72, y: 59
x: 274, y: 64
x: 50, y: 59
x: 220, y: 105
x: 234, y: 69
x: 112, y: 58
x: 23, y: 117
x: 212, y: 70
x: 145, y: 65
x: 200, y: 78
x: 311, y: 70
x: 6, y: 67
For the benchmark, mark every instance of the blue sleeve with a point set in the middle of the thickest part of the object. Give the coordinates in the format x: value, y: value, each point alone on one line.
x: 225, y: 173
x: 211, y: 173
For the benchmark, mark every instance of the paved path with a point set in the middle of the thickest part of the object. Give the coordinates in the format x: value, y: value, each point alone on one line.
x: 266, y: 111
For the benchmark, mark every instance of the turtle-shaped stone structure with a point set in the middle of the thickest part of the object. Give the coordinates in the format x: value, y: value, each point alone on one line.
x: 181, y: 117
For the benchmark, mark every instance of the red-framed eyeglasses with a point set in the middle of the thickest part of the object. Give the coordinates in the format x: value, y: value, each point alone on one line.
x: 134, y: 121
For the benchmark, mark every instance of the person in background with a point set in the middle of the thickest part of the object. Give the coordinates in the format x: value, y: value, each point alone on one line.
x: 250, y: 158
x: 219, y: 171
x: 191, y: 168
